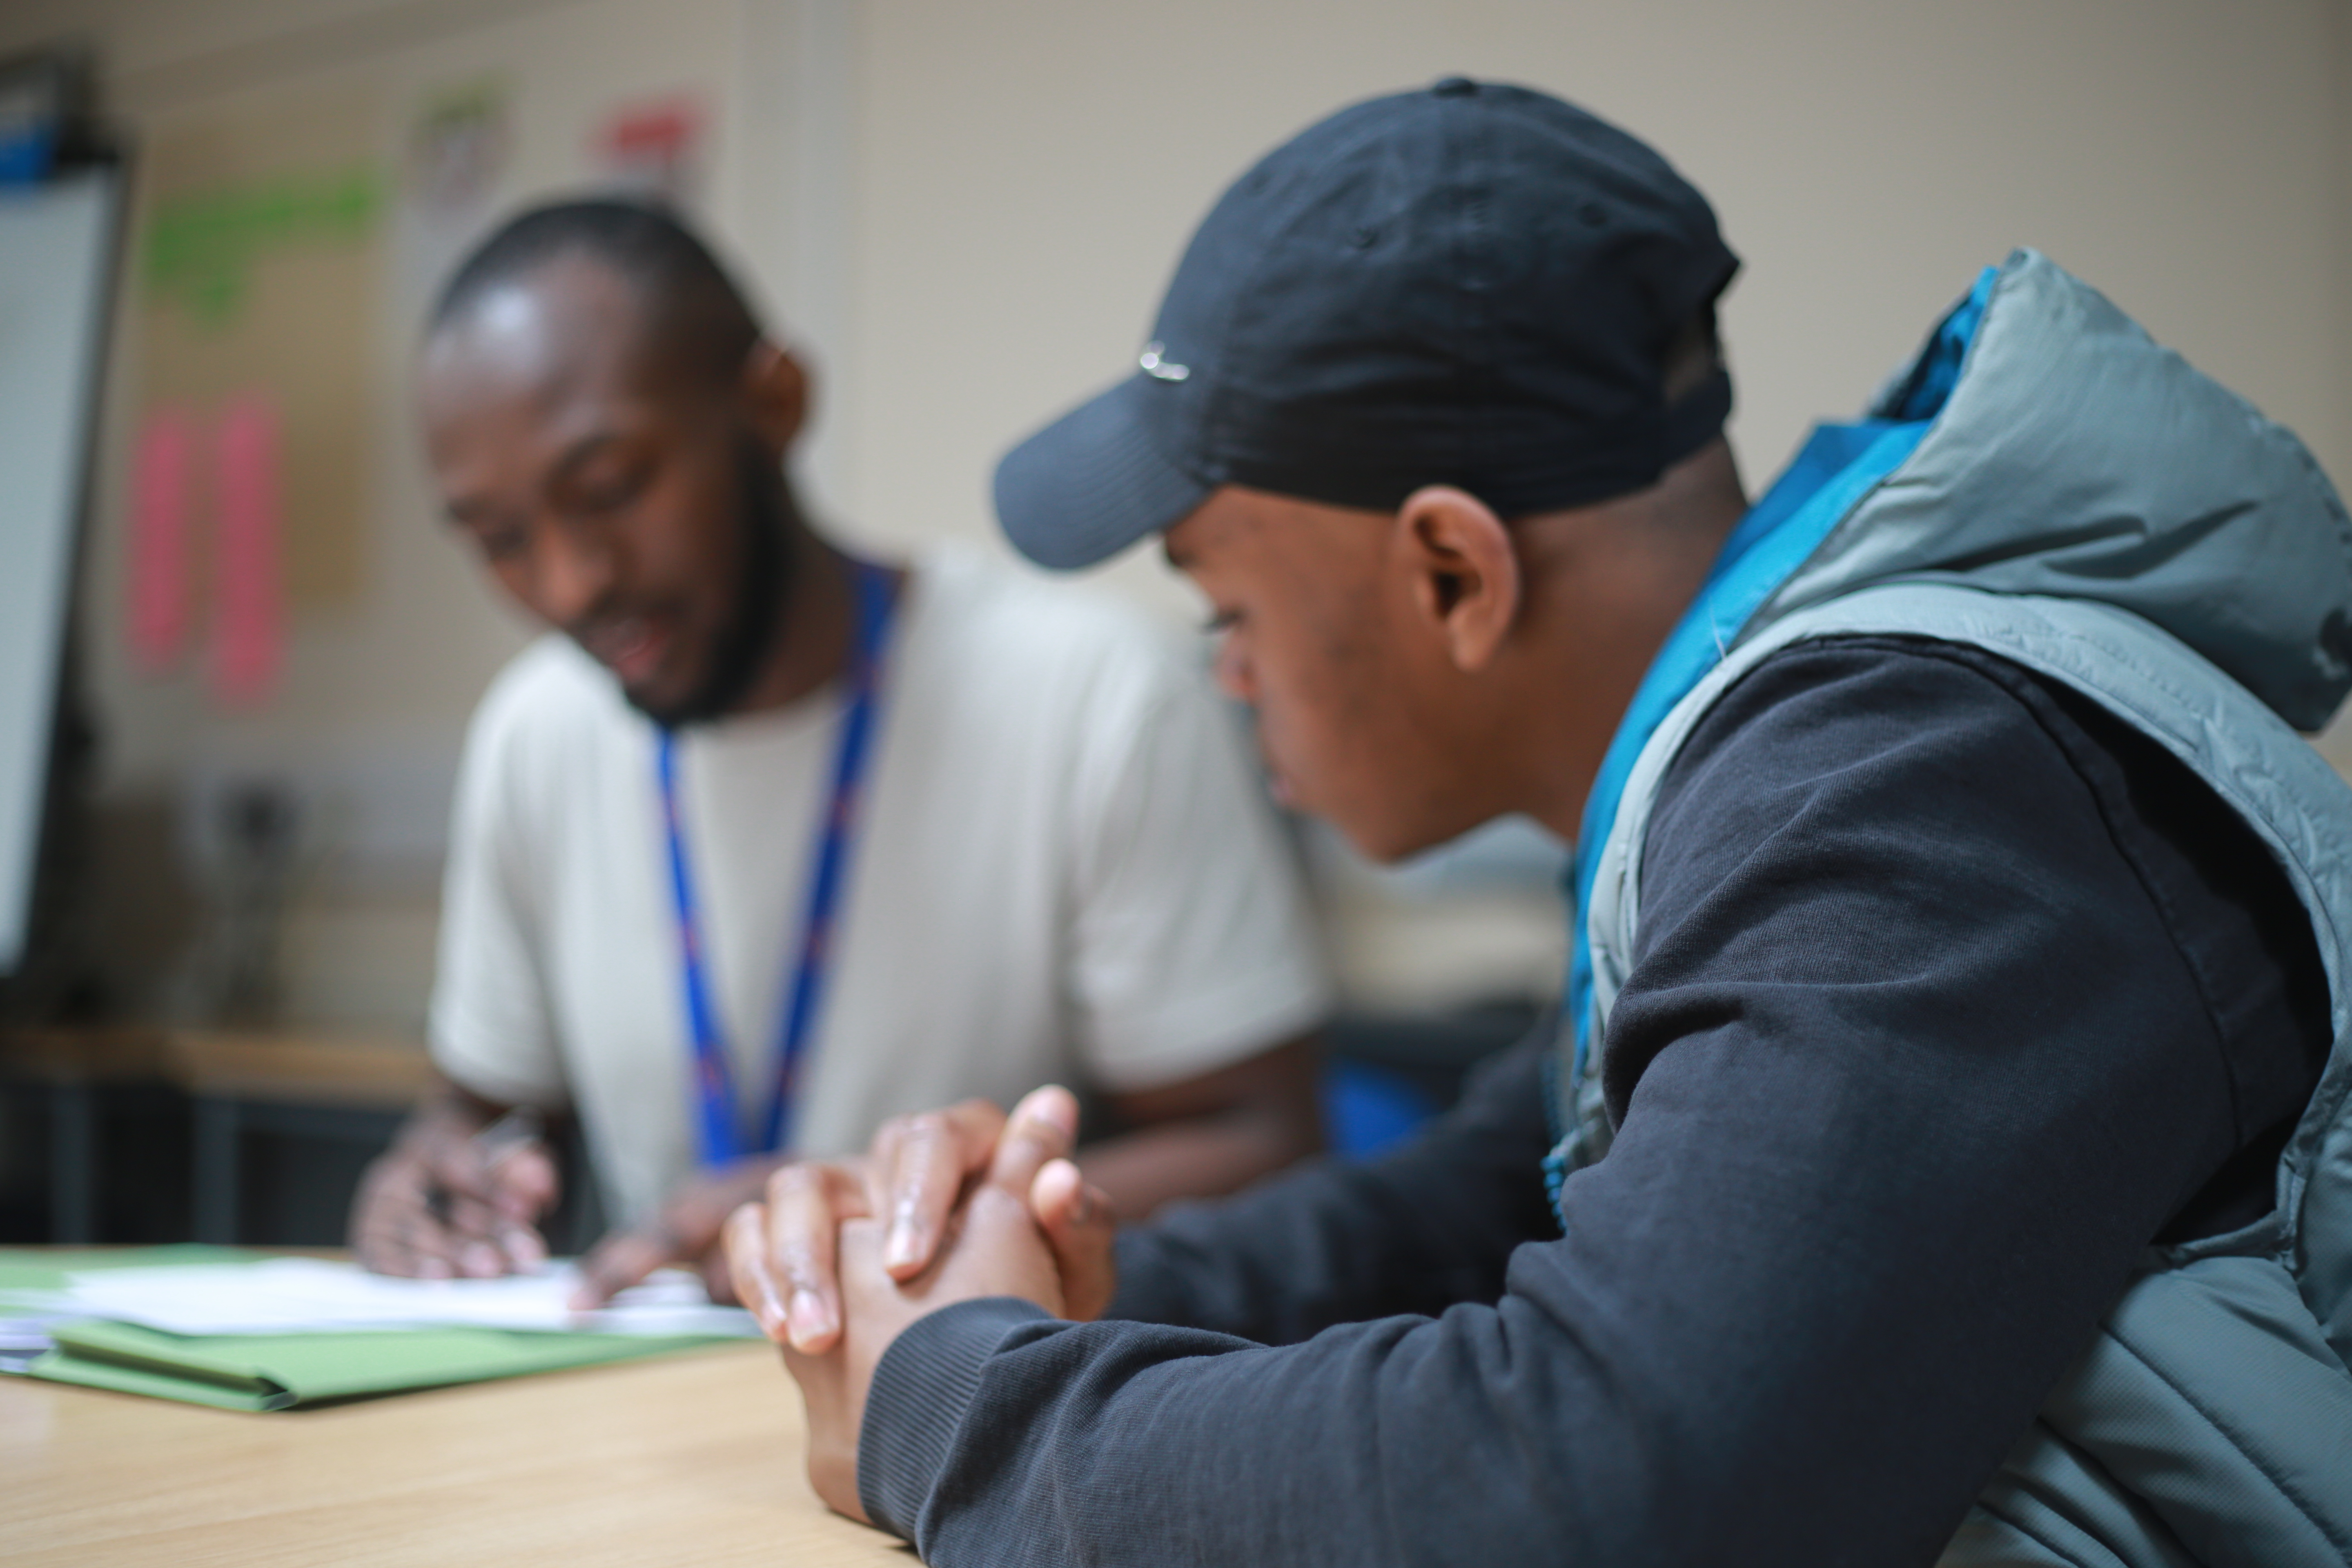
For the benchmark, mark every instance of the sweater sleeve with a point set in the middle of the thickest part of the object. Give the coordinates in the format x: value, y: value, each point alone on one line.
x: 1909, y: 1069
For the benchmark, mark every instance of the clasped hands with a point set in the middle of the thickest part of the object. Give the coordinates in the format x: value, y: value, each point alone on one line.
x: 948, y: 1206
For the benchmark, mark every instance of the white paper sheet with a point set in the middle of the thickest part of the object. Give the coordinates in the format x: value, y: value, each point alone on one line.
x: 23, y: 1340
x: 305, y: 1294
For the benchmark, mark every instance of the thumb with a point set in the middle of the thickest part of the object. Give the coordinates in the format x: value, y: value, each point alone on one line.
x: 1043, y: 1127
x: 1078, y: 1225
x: 524, y: 1182
x: 616, y: 1263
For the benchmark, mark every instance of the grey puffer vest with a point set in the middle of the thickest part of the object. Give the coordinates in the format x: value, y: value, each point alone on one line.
x: 2088, y: 507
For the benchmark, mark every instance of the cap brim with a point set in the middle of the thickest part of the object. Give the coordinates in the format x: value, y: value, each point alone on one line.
x: 1092, y: 482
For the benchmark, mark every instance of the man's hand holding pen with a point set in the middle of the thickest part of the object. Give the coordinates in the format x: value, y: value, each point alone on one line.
x: 457, y: 1198
x: 461, y: 1195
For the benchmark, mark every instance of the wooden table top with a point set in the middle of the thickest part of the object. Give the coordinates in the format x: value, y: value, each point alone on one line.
x: 694, y: 1456
x: 291, y: 1066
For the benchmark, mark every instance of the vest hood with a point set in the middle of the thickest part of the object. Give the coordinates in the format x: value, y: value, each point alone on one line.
x: 2075, y: 456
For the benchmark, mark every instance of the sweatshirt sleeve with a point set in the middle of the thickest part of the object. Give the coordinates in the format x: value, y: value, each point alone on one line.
x: 1908, y: 1070
x: 1429, y: 1223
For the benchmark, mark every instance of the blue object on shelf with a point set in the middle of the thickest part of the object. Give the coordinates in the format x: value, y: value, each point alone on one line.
x: 1366, y: 1108
x: 26, y: 151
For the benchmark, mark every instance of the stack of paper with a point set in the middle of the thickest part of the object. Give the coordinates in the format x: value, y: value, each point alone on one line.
x: 254, y: 1334
x: 23, y: 1341
x: 311, y: 1295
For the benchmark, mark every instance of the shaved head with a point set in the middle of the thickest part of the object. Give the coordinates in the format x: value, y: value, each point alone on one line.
x: 689, y: 310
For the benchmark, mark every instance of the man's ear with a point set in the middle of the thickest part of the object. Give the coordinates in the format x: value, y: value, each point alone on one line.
x: 776, y: 391
x: 1465, y: 573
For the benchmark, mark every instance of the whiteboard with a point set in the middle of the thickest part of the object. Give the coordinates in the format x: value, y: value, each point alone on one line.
x: 55, y: 254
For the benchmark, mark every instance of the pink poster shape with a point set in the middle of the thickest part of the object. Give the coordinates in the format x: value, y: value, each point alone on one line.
x: 160, y: 492
x: 249, y: 614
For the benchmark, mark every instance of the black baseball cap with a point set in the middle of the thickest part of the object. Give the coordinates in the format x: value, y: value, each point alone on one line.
x: 1474, y: 285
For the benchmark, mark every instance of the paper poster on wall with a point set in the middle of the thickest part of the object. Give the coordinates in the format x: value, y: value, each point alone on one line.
x: 655, y: 147
x: 257, y: 309
x: 249, y: 617
x: 459, y: 145
x: 163, y: 493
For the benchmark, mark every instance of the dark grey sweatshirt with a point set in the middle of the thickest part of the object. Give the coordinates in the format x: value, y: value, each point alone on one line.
x: 1952, y: 994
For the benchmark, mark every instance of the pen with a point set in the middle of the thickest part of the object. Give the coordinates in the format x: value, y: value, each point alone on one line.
x: 508, y: 1136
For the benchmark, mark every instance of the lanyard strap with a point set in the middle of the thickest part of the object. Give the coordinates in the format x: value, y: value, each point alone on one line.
x: 836, y: 829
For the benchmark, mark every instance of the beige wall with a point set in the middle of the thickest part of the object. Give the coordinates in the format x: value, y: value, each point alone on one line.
x: 968, y: 211
x: 1028, y: 169
x: 2338, y: 457
x: 386, y: 680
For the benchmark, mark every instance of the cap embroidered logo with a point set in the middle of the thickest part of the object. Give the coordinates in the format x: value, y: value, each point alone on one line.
x: 1154, y: 365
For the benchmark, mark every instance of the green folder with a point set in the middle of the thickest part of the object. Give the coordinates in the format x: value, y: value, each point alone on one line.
x: 281, y: 1371
x: 46, y: 1267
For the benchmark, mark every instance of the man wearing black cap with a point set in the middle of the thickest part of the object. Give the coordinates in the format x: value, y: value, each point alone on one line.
x: 1943, y: 1151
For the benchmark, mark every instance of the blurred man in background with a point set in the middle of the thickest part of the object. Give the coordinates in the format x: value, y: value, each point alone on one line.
x: 767, y: 844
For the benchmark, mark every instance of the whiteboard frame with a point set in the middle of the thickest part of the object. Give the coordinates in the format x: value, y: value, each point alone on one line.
x: 59, y: 251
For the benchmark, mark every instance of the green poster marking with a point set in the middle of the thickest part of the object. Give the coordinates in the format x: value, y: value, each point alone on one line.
x: 200, y: 250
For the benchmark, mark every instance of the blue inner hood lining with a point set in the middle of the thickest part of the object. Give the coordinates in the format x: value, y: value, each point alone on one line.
x: 1837, y: 466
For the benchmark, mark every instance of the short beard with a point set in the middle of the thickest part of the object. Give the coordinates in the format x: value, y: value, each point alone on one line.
x: 765, y: 514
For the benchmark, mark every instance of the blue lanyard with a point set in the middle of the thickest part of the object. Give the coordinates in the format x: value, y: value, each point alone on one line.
x: 836, y: 829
